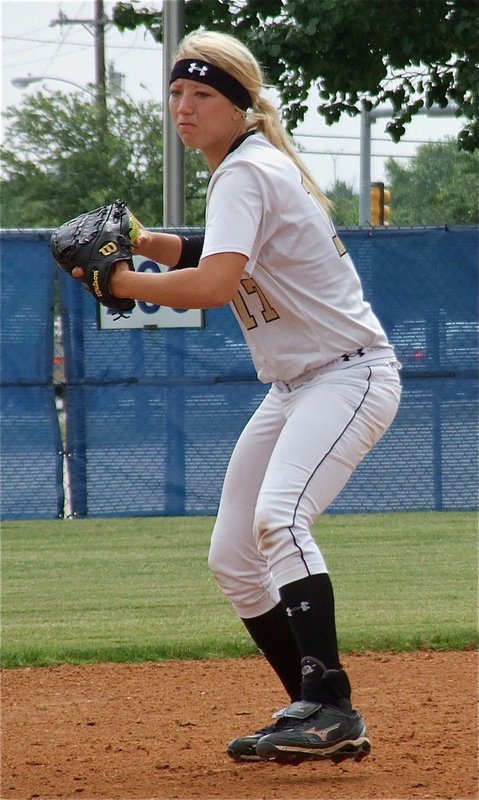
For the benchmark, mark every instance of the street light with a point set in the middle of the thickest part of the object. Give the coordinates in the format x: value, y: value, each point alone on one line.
x: 22, y: 83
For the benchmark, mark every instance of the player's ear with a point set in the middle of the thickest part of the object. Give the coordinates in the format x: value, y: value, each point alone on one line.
x: 237, y: 113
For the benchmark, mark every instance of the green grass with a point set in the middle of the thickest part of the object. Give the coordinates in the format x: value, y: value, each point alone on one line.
x: 139, y: 589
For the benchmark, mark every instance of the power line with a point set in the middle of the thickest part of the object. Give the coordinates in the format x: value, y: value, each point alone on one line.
x: 76, y: 44
x: 42, y: 59
x: 356, y: 138
x: 55, y: 54
x: 356, y: 155
x: 98, y: 25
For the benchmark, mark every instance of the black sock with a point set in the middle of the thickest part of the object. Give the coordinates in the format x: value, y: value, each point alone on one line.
x: 309, y: 605
x: 273, y: 635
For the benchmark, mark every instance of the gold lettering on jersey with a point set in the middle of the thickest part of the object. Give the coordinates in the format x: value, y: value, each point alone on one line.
x: 108, y: 248
x: 267, y: 310
x: 249, y: 321
x: 339, y: 245
x: 246, y: 318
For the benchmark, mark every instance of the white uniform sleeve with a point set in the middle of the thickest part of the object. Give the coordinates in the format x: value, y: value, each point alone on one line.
x: 234, y: 212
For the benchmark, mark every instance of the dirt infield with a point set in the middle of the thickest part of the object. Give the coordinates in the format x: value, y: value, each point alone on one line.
x: 158, y: 731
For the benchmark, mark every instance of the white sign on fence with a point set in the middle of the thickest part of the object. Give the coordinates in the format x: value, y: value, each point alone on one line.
x: 149, y: 315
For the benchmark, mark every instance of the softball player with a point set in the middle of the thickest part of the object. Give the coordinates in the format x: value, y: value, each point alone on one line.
x: 271, y: 250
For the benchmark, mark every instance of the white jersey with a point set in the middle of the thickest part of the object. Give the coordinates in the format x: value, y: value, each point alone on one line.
x: 300, y: 303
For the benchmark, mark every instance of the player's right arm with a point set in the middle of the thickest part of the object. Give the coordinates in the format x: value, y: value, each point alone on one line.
x: 213, y: 283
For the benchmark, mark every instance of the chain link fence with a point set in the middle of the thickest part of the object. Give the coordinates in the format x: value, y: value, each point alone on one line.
x: 141, y: 421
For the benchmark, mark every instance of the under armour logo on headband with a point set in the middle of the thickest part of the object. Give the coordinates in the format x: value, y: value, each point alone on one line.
x: 195, y: 68
x: 219, y: 79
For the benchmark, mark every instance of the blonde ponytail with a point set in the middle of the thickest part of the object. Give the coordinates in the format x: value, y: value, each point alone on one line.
x: 265, y: 118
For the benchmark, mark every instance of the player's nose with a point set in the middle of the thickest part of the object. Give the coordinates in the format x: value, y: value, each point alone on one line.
x: 184, y: 105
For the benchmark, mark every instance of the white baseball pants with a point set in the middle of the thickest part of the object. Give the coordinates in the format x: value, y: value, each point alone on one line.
x: 294, y: 456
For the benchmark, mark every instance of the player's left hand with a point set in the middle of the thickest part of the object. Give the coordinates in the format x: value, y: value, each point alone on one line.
x: 91, y: 246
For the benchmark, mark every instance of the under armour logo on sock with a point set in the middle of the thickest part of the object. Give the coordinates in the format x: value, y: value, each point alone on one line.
x: 195, y: 68
x: 303, y: 606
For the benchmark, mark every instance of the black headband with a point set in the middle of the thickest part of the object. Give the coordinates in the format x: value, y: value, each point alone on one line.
x: 203, y: 72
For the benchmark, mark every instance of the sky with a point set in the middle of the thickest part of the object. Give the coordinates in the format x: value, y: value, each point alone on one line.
x: 32, y: 46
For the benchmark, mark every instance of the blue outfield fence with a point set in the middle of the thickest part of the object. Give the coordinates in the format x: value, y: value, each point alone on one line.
x: 111, y: 422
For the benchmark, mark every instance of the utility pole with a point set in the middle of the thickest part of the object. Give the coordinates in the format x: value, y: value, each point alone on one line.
x: 100, y: 72
x: 99, y: 23
x: 173, y: 150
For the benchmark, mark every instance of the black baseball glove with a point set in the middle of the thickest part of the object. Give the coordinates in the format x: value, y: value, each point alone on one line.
x: 96, y: 241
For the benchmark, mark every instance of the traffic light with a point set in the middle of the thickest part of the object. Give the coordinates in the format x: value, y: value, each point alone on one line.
x: 386, y: 206
x: 380, y: 208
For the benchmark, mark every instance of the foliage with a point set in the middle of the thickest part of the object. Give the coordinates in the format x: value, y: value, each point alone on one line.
x: 59, y: 160
x: 345, y: 204
x: 439, y: 187
x: 411, y: 54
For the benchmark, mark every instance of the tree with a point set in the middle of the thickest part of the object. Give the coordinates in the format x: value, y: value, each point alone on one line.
x: 58, y: 161
x: 345, y: 204
x: 439, y: 187
x: 409, y: 53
